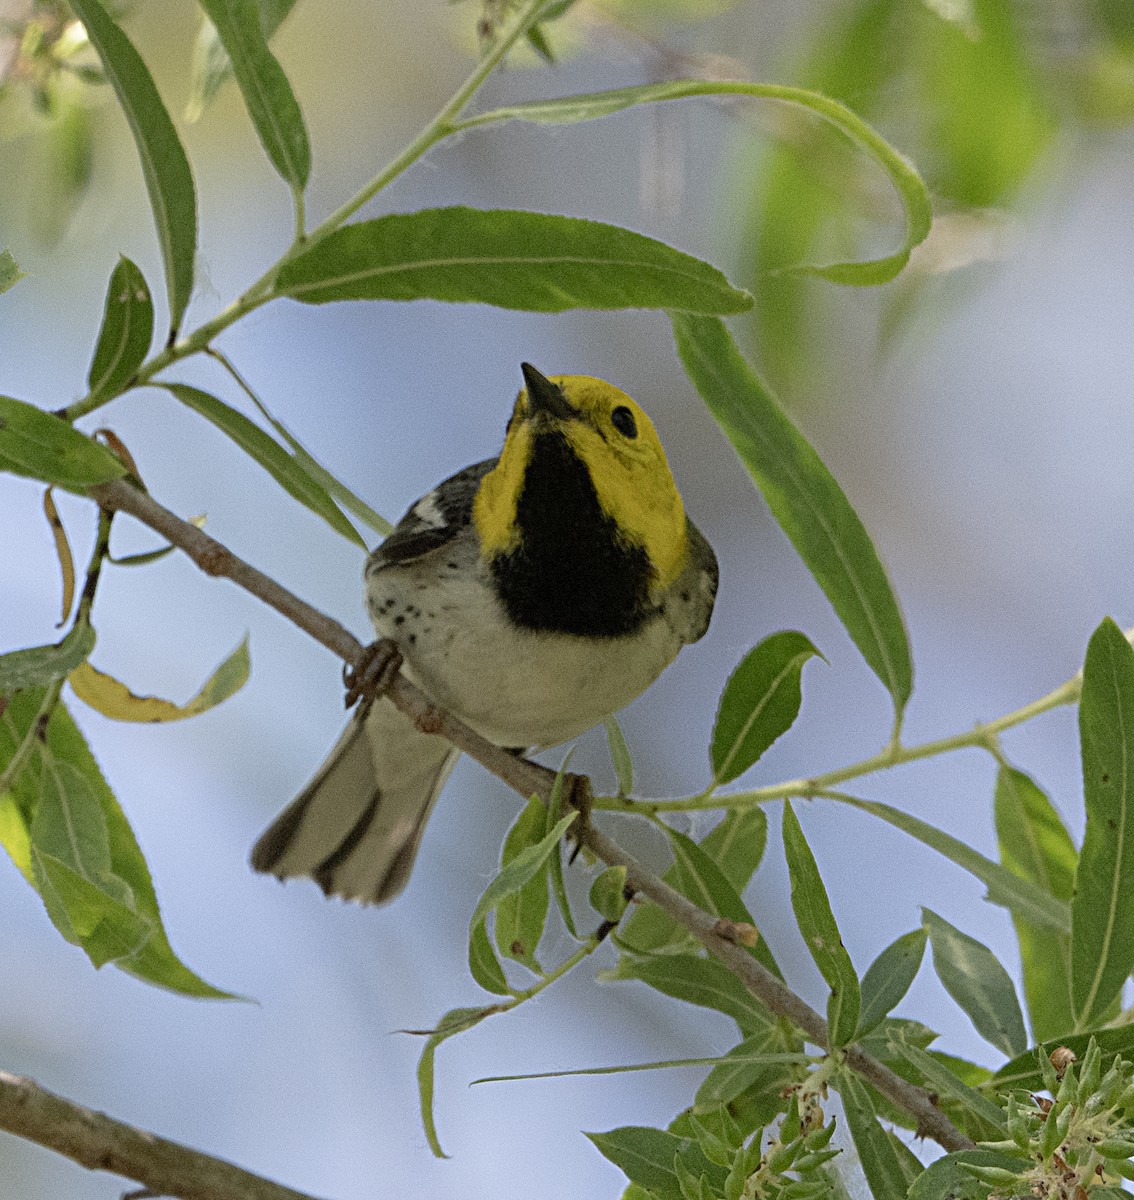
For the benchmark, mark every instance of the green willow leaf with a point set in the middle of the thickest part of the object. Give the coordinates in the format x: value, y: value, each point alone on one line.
x: 537, y: 262
x: 620, y: 757
x: 888, y: 978
x: 521, y: 916
x: 758, y: 1062
x: 1035, y: 845
x: 1023, y: 1072
x: 10, y: 273
x: 987, y: 110
x: 947, y: 1179
x: 944, y: 1083
x: 169, y: 180
x: 700, y: 879
x: 608, y: 894
x: 736, y: 845
x: 39, y: 666
x: 211, y: 64
x: 821, y: 933
x: 456, y: 1021
x: 267, y: 94
x: 86, y: 914
x: 484, y: 966
x: 1020, y: 895
x: 760, y: 703
x: 264, y: 450
x: 515, y: 875
x: 38, y: 444
x: 1102, y: 910
x: 104, y: 848
x: 911, y: 189
x: 647, y: 1158
x: 804, y: 498
x: 126, y: 333
x: 973, y: 976
x: 880, y: 1163
x: 701, y: 981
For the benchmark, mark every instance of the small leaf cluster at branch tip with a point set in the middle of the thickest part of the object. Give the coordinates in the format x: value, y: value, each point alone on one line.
x: 1077, y: 1138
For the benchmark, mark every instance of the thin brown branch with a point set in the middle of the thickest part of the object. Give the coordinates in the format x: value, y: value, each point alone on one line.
x: 528, y: 779
x: 101, y: 1143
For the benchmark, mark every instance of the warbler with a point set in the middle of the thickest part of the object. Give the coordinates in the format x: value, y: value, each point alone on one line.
x: 531, y: 595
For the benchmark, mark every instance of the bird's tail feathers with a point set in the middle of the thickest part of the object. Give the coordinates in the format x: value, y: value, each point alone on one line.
x: 356, y: 827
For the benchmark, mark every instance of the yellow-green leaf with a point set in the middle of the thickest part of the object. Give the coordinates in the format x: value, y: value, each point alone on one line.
x: 113, y: 699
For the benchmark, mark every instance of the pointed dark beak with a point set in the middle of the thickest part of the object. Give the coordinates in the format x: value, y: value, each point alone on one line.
x: 545, y: 396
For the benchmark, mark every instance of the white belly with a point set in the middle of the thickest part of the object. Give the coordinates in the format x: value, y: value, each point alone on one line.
x: 518, y: 688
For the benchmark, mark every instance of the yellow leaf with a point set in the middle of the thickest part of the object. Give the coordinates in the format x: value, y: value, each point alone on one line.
x: 113, y: 699
x: 63, y: 550
x: 14, y: 835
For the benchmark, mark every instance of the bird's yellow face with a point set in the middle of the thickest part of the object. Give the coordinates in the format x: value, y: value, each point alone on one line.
x: 617, y: 442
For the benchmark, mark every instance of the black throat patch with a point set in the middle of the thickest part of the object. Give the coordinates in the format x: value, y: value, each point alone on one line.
x: 571, y: 572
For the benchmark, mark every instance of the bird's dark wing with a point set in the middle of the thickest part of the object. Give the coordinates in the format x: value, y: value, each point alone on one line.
x: 435, y: 519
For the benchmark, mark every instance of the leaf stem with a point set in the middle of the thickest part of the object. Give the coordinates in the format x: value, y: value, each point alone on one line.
x: 983, y: 736
x: 443, y: 125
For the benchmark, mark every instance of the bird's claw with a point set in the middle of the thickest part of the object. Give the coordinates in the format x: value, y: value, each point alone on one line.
x: 372, y: 675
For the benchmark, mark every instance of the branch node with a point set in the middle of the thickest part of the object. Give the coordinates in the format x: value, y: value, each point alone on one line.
x: 214, y: 559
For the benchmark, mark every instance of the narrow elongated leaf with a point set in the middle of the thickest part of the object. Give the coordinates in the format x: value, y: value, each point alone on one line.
x: 880, y: 1163
x: 1102, y: 911
x: 169, y: 180
x: 911, y: 189
x: 126, y: 333
x: 821, y: 933
x: 804, y: 497
x: 523, y: 260
x: 699, y: 878
x: 1020, y: 895
x: 62, y: 553
x: 36, y: 443
x: 1035, y: 845
x: 484, y: 966
x: 702, y: 981
x: 939, y: 1079
x: 113, y: 699
x: 760, y: 703
x: 321, y: 476
x: 520, y: 869
x: 736, y: 844
x: 555, y: 861
x: 109, y: 849
x: 267, y: 94
x: 455, y: 1021
x: 42, y: 665
x: 269, y: 454
x: 888, y: 978
x: 522, y: 915
x: 10, y: 273
x: 973, y: 976
x: 211, y: 64
x: 620, y: 757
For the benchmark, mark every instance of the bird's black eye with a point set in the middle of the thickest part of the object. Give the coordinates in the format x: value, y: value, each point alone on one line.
x: 623, y: 420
